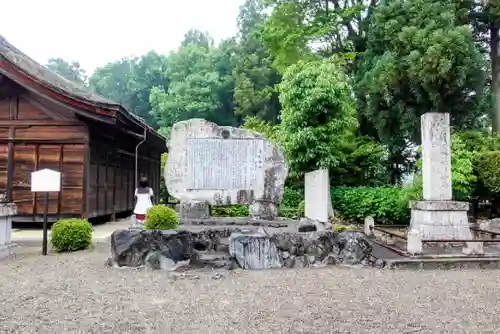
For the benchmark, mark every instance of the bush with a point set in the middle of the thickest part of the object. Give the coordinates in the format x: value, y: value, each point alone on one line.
x: 71, y: 235
x: 488, y: 171
x: 160, y: 217
x: 230, y: 211
x: 292, y: 197
x: 387, y: 205
x: 301, y: 208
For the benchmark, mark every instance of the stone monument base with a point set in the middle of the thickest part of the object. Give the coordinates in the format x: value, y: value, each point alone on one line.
x: 438, y: 220
x: 263, y: 210
x: 194, y: 209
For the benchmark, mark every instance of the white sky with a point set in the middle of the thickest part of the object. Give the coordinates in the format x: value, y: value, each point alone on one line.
x: 96, y: 32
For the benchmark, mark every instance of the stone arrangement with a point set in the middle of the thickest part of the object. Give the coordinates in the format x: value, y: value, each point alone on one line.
x: 7, y: 210
x: 215, y: 165
x: 247, y: 249
x: 438, y: 216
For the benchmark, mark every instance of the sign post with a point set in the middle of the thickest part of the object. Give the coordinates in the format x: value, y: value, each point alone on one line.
x: 45, y: 180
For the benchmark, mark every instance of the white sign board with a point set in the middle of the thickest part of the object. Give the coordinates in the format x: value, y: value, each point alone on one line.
x: 45, y: 180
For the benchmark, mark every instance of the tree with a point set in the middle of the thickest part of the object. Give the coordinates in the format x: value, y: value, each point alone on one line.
x: 318, y: 112
x: 194, y: 36
x: 129, y: 81
x: 308, y: 29
x: 485, y: 18
x: 71, y: 71
x: 195, y: 88
x: 421, y: 57
x: 254, y: 75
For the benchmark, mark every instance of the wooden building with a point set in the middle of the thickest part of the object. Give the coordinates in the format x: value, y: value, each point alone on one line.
x: 47, y: 121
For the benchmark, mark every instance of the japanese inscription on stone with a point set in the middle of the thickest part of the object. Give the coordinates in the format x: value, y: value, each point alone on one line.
x: 224, y: 163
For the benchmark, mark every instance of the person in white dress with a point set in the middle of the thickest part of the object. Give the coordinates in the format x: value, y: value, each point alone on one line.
x: 144, y: 201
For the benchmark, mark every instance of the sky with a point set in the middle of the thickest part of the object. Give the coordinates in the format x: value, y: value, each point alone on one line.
x: 96, y: 32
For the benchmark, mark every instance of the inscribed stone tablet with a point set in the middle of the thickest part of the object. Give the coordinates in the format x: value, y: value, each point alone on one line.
x: 317, y: 195
x: 224, y: 163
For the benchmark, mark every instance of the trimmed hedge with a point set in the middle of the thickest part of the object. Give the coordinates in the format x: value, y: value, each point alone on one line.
x: 387, y: 205
x: 71, y: 235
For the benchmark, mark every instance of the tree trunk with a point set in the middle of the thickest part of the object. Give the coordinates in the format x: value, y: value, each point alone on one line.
x: 495, y: 75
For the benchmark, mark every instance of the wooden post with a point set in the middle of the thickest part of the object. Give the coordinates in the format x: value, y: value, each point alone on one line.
x: 45, y: 221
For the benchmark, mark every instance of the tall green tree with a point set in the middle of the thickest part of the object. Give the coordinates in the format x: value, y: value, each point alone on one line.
x: 308, y: 29
x: 421, y: 56
x: 201, y: 38
x: 254, y: 75
x: 197, y: 87
x: 318, y: 112
x: 71, y: 71
x: 485, y: 18
x: 129, y: 81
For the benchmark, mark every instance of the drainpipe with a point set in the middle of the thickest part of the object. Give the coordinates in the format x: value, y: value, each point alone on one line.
x: 137, y: 155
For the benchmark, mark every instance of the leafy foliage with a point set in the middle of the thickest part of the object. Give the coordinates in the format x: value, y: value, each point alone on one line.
x: 317, y: 112
x: 387, y: 205
x: 160, y: 217
x: 301, y: 208
x: 230, y: 211
x: 463, y: 177
x: 71, y: 71
x: 488, y: 171
x: 292, y: 197
x: 421, y: 57
x: 271, y: 132
x: 71, y: 235
x: 129, y: 81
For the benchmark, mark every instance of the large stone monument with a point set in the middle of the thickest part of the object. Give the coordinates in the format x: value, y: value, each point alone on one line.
x: 218, y: 165
x: 437, y: 216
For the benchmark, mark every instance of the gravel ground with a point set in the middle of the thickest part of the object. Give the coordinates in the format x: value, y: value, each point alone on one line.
x: 76, y: 293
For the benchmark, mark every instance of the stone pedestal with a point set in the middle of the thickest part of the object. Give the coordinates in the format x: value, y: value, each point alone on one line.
x: 7, y: 210
x: 440, y: 219
x: 263, y: 210
x: 437, y: 216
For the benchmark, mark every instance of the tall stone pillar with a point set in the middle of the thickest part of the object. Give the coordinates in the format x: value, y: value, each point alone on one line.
x: 437, y: 216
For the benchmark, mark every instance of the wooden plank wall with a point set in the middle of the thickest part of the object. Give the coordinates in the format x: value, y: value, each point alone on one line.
x: 97, y: 163
x: 31, y: 139
x: 112, y: 172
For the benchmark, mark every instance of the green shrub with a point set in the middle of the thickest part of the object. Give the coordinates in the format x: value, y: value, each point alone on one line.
x: 301, y: 208
x: 160, y: 217
x: 487, y: 166
x: 230, y: 211
x: 286, y: 212
x: 292, y: 197
x: 71, y: 235
x: 387, y: 205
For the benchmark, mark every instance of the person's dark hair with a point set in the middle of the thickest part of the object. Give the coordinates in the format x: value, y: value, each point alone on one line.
x: 143, y: 182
